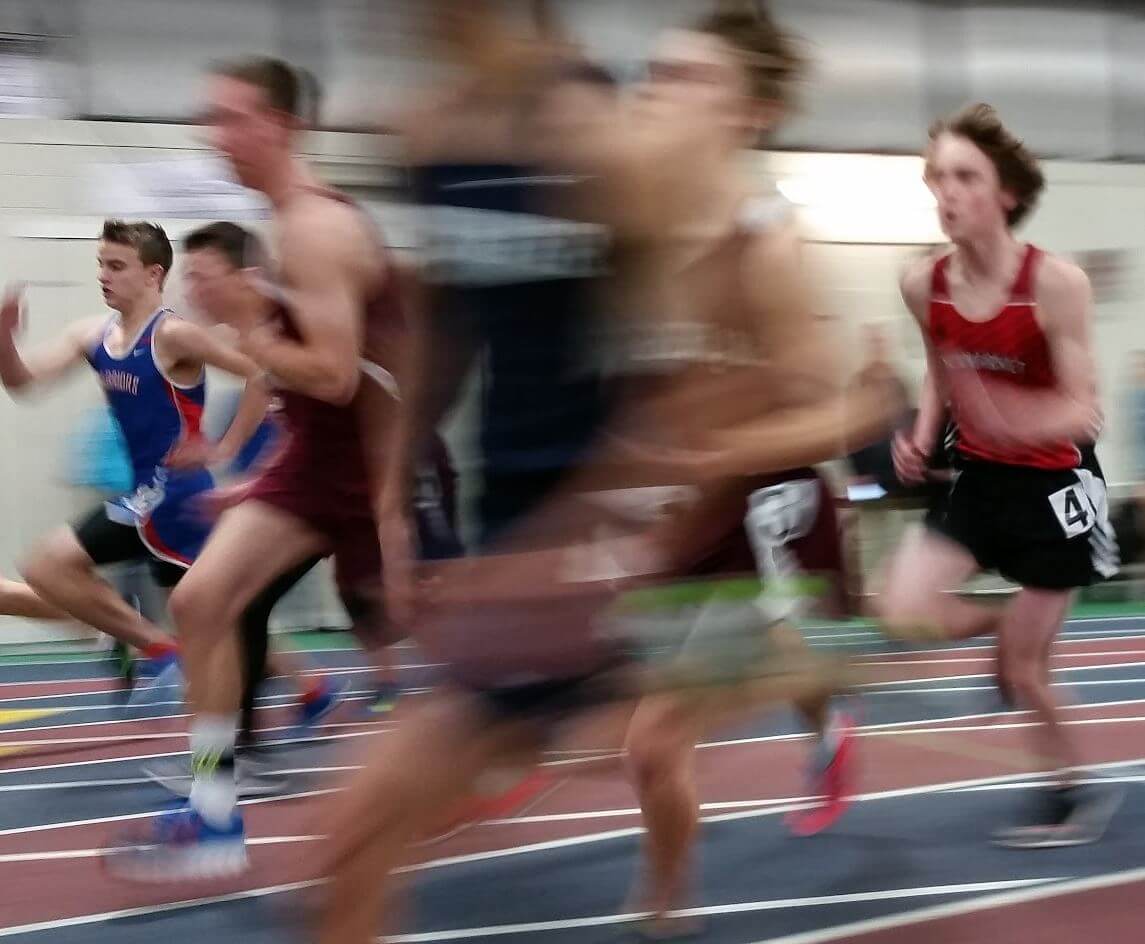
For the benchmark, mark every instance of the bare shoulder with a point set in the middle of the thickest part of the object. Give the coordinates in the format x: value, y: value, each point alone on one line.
x: 87, y: 331
x: 915, y: 281
x: 773, y: 266
x: 778, y: 247
x: 177, y: 329
x: 317, y: 230
x: 1058, y: 279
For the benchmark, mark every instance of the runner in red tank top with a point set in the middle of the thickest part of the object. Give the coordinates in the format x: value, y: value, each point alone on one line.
x: 1007, y: 329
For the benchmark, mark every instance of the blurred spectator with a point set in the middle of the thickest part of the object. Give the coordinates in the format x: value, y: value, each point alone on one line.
x: 873, y: 465
x: 97, y: 458
x: 1128, y: 516
x: 1137, y: 416
x: 878, y: 363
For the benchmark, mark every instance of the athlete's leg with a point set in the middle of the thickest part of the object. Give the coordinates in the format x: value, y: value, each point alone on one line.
x: 62, y: 572
x: 914, y: 599
x: 18, y: 599
x: 1069, y: 813
x: 258, y: 662
x: 661, y: 754
x: 251, y: 547
x: 424, y: 766
x: 1031, y: 622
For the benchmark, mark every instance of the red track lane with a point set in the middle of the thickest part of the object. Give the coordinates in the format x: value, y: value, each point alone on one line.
x: 945, y: 668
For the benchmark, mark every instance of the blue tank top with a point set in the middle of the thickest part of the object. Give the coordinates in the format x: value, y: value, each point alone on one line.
x: 153, y: 411
x: 520, y: 278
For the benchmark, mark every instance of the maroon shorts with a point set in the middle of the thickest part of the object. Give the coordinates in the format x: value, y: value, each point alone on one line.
x: 780, y: 527
x: 344, y: 521
x: 339, y: 509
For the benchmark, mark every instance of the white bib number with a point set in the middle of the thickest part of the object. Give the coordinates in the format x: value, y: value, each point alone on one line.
x: 1073, y: 509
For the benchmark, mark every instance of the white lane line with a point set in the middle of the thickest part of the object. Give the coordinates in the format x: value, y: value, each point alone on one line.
x: 955, y: 689
x: 310, y: 673
x: 711, y: 911
x: 956, y: 909
x: 71, y: 854
x: 105, y: 916
x: 961, y: 678
x: 789, y: 803
x: 989, y: 659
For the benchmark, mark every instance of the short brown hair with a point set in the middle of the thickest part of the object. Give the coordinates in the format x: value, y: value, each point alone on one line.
x: 1017, y: 167
x: 292, y: 91
x: 771, y: 57
x: 241, y: 247
x: 148, y: 239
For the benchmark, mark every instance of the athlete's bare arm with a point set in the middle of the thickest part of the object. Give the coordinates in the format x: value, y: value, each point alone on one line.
x: 51, y: 362
x: 326, y: 276
x: 1065, y: 309
x: 186, y: 347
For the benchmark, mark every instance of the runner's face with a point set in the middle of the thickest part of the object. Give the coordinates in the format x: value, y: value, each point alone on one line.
x: 696, y: 78
x: 213, y: 285
x: 964, y: 181
x: 123, y: 278
x: 244, y: 129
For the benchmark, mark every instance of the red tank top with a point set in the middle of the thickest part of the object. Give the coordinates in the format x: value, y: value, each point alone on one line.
x: 1010, y: 347
x: 326, y: 440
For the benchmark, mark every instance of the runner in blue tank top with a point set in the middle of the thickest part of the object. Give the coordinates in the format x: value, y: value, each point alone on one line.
x: 150, y: 364
x: 155, y: 414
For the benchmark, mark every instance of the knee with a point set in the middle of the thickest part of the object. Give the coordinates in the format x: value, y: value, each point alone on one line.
x: 46, y: 565
x: 898, y: 613
x: 191, y: 605
x: 657, y: 754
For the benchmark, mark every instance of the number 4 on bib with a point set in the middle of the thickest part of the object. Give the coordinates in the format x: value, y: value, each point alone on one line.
x: 1073, y: 510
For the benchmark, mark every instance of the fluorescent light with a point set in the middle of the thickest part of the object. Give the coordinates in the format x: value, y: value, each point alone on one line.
x: 865, y: 190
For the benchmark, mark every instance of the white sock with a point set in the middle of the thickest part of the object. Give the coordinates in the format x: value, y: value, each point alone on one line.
x: 213, y: 790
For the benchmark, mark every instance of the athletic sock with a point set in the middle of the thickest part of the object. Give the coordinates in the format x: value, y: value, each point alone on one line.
x: 213, y: 789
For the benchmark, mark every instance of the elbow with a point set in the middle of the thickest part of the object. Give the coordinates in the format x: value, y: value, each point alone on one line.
x: 18, y: 389
x: 338, y: 387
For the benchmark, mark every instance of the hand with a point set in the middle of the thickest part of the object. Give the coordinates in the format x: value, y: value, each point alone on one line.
x: 910, y: 460
x: 11, y: 312
x: 192, y: 453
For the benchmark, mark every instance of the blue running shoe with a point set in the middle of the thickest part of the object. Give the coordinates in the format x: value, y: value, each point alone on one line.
x: 157, y: 679
x: 314, y: 709
x: 180, y: 846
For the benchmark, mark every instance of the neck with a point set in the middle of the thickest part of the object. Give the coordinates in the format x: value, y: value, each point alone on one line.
x: 252, y: 312
x: 134, y: 316
x: 988, y: 257
x: 285, y: 180
x: 712, y: 203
